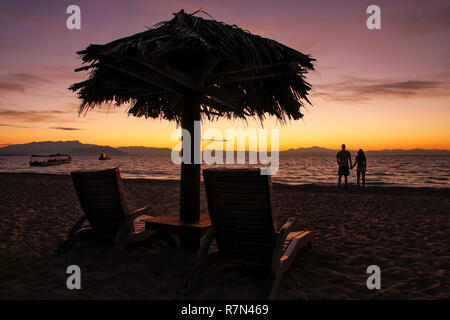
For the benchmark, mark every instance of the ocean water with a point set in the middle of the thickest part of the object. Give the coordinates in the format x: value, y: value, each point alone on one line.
x: 411, y: 171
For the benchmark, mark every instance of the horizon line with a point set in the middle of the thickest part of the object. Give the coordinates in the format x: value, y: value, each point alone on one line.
x: 289, y: 149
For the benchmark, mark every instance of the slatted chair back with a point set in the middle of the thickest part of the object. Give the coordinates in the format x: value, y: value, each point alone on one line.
x: 240, y: 208
x: 102, y: 199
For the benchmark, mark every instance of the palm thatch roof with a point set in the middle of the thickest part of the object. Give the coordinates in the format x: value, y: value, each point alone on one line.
x: 237, y: 74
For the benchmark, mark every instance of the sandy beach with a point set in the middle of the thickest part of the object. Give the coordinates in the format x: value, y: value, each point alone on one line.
x: 405, y: 231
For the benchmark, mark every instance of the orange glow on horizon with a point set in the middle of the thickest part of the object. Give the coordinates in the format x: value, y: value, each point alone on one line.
x: 370, y: 126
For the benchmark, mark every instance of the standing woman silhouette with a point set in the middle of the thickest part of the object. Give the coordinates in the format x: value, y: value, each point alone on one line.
x: 361, y: 163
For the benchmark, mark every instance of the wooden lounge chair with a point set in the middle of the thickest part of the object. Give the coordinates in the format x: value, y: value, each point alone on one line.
x: 102, y: 198
x: 243, y: 223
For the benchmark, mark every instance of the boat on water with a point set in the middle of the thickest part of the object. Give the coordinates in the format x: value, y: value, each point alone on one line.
x: 49, y: 160
x: 103, y: 157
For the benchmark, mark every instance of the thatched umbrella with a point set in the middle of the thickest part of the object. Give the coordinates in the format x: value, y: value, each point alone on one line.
x: 189, y: 66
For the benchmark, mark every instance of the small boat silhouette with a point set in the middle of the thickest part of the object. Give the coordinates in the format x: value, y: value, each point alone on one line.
x: 49, y: 160
x: 103, y: 157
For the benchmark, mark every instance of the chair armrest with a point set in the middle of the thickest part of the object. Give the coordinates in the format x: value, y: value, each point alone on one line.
x: 77, y: 224
x: 286, y: 228
x: 128, y: 223
x: 138, y: 212
x: 281, y: 237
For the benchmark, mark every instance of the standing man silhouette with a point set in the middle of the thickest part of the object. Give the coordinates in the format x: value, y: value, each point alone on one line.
x: 343, y: 159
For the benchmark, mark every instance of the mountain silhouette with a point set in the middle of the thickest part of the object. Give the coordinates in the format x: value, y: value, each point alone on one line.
x: 77, y: 148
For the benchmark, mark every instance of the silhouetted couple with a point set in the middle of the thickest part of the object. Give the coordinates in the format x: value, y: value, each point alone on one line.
x: 344, y: 160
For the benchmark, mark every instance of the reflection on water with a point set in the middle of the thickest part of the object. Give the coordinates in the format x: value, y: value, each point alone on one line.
x: 416, y: 171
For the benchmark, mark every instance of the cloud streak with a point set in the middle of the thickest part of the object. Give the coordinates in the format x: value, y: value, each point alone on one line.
x: 19, y: 82
x: 65, y: 128
x: 33, y: 115
x: 352, y: 89
x: 12, y: 125
x: 53, y: 128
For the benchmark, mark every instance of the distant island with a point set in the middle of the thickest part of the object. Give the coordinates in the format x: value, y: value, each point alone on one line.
x: 77, y: 148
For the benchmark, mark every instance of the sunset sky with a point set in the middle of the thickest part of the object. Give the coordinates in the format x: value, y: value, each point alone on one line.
x: 373, y: 89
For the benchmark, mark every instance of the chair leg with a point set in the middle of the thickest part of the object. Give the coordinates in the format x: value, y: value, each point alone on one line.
x: 193, y: 278
x: 202, y: 257
x: 297, y: 244
x: 274, y: 285
x: 71, y: 240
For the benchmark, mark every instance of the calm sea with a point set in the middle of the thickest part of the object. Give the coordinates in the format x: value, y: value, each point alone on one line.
x: 413, y: 171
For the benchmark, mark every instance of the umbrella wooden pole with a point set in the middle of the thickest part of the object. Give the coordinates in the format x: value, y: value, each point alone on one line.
x: 190, y: 173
